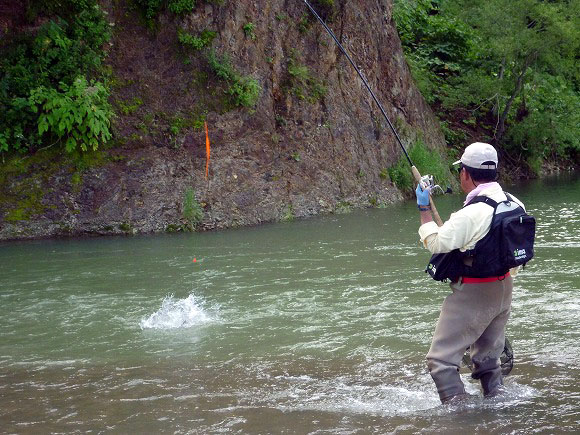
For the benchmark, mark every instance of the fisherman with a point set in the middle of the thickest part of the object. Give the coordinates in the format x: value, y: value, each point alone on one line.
x: 476, y: 312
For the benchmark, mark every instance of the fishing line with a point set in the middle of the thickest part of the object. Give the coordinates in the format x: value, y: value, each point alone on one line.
x: 331, y: 33
x: 422, y: 180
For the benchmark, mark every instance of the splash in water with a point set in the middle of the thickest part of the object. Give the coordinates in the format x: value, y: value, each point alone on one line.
x: 177, y: 313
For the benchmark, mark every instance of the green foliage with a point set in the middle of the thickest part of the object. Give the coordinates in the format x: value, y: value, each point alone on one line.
x: 150, y: 8
x: 222, y: 66
x: 197, y: 42
x: 180, y: 7
x: 249, y: 30
x: 78, y: 114
x: 128, y: 108
x: 343, y: 207
x: 436, y: 46
x: 454, y: 138
x: 192, y: 211
x: 177, y: 124
x: 304, y: 23
x: 243, y: 90
x: 426, y: 161
x: 302, y: 83
x: 513, y: 65
x: 555, y: 104
x: 47, y: 64
x: 288, y: 214
x: 126, y: 227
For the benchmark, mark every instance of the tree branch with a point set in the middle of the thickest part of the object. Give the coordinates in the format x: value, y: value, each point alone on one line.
x: 519, y: 84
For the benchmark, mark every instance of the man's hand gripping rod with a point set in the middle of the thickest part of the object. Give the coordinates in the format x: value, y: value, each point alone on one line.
x: 427, y: 181
x: 414, y: 170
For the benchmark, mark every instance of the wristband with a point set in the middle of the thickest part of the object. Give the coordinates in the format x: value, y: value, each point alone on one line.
x: 424, y: 207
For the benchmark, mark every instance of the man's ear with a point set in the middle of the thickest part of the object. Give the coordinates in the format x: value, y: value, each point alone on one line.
x: 466, y: 174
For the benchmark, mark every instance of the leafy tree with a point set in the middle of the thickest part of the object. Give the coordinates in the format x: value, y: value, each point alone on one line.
x: 512, y: 65
x: 436, y: 46
x: 516, y: 40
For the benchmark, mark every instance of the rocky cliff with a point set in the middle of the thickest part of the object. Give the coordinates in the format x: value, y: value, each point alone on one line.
x: 313, y: 143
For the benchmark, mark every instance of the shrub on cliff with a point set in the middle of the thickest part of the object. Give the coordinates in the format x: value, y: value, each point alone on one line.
x: 427, y: 162
x: 243, y: 90
x: 44, y: 86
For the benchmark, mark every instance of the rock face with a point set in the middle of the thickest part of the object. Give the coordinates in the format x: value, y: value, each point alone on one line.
x: 314, y: 143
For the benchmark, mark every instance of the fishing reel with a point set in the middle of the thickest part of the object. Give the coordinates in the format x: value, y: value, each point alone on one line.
x: 427, y: 182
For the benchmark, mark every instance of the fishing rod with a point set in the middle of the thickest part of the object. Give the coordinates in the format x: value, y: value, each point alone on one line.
x: 424, y: 181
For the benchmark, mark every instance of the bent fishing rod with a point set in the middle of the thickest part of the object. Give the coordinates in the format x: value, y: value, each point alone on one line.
x: 414, y: 170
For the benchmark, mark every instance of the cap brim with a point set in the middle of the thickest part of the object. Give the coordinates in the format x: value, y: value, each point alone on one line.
x: 457, y: 162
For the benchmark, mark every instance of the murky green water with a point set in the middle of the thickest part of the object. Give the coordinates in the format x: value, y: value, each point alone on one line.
x: 316, y: 326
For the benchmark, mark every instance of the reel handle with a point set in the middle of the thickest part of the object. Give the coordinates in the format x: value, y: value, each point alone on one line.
x: 436, y: 216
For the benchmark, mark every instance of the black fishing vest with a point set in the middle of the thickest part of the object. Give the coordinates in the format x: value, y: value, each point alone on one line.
x: 509, y: 243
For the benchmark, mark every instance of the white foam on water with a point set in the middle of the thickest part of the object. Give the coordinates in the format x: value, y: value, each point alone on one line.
x: 373, y: 396
x: 350, y: 396
x: 178, y: 313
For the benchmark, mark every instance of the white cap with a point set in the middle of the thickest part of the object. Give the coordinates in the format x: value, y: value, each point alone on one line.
x: 479, y: 155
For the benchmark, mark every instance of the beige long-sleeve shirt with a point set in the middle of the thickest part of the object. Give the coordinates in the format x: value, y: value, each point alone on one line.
x: 465, y: 227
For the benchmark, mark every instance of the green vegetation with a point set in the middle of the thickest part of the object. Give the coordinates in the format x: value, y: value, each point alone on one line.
x: 196, y: 42
x: 426, y: 161
x: 192, y: 211
x: 302, y: 83
x: 177, y: 124
x: 243, y: 90
x: 128, y: 108
x: 78, y: 115
x: 180, y: 7
x: 126, y: 227
x: 46, y: 95
x: 152, y: 8
x: 511, y: 66
x: 249, y: 30
x: 304, y: 23
x: 343, y: 207
x: 288, y: 214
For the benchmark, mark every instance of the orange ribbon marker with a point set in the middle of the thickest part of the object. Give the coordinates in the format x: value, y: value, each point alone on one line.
x: 207, y: 150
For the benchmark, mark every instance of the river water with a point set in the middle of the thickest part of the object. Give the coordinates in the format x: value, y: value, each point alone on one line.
x: 312, y: 326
